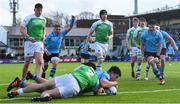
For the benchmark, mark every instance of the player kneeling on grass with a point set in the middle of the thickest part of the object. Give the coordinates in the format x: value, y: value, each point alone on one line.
x: 82, y: 79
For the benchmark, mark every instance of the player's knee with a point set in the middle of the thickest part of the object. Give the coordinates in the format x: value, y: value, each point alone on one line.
x: 39, y: 62
x: 140, y: 58
x: 162, y: 58
x: 99, y: 56
x: 54, y: 59
x: 156, y: 60
x: 151, y: 60
x: 100, y: 61
x: 26, y: 64
x: 133, y: 59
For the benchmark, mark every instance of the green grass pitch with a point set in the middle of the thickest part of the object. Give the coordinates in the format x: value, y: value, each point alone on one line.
x: 129, y: 90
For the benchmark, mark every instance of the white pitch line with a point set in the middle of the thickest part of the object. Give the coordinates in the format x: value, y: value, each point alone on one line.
x: 3, y: 84
x: 20, y: 98
x: 150, y: 91
x: 174, y: 72
x: 128, y: 92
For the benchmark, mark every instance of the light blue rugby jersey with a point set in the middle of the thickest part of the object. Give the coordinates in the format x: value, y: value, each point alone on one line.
x: 53, y: 41
x: 82, y: 45
x: 166, y: 37
x: 103, y: 75
x: 151, y: 40
x: 170, y: 50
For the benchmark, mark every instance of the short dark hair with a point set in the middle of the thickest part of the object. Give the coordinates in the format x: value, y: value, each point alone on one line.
x: 142, y: 19
x: 85, y: 37
x: 152, y: 22
x: 115, y: 69
x: 57, y: 25
x: 135, y: 19
x: 90, y: 65
x: 38, y: 5
x: 102, y: 12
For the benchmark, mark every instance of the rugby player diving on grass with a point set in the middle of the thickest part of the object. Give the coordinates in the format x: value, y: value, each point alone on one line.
x: 83, y: 79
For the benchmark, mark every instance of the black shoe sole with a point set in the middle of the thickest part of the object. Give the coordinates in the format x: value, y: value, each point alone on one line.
x: 10, y: 87
x: 41, y: 99
x: 10, y: 95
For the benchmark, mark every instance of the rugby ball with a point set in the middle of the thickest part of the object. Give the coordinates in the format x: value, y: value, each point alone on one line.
x: 111, y: 91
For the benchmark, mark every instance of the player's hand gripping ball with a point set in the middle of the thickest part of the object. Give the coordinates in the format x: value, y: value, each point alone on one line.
x: 111, y: 91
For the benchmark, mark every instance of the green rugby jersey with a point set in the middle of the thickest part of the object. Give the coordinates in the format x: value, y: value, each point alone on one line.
x: 35, y: 26
x: 137, y: 34
x: 130, y: 34
x: 102, y: 30
x: 86, y: 77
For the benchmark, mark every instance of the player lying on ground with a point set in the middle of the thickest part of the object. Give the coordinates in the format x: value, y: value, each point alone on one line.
x: 82, y: 79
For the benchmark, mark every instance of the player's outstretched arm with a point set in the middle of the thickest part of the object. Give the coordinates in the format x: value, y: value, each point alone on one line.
x: 173, y: 42
x: 106, y: 83
x: 71, y: 24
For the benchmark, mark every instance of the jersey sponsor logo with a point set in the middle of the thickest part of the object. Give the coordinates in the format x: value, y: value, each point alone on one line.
x: 89, y: 73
